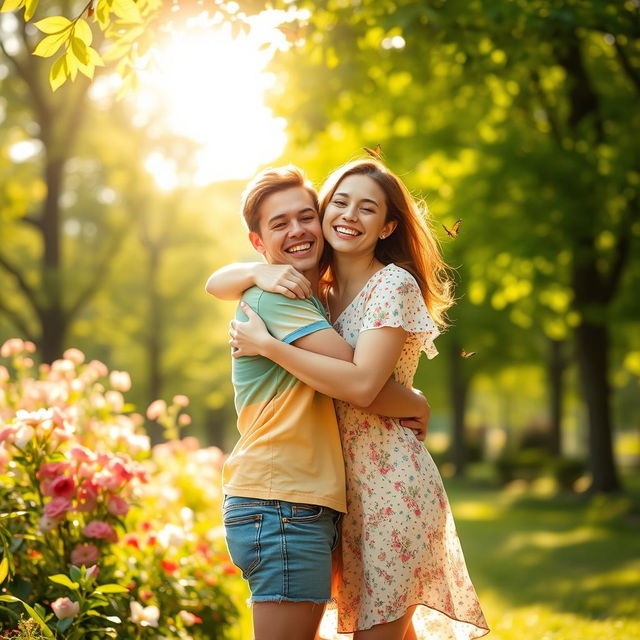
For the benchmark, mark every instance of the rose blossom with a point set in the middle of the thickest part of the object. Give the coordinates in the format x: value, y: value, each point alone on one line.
x: 87, y: 497
x: 57, y: 508
x: 120, y: 381
x: 144, y: 616
x: 180, y: 400
x: 65, y: 608
x: 92, y: 571
x: 85, y: 554
x: 156, y: 409
x: 99, y: 529
x: 117, y: 506
x: 62, y: 486
x: 46, y: 523
x: 75, y: 355
x: 189, y: 618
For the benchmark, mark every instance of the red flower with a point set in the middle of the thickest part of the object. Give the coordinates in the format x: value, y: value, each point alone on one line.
x: 229, y: 569
x: 169, y: 566
x: 62, y: 486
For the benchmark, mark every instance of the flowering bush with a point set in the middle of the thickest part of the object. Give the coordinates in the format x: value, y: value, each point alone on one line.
x: 101, y: 536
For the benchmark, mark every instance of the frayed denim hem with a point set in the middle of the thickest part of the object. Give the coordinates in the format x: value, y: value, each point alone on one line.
x: 279, y: 599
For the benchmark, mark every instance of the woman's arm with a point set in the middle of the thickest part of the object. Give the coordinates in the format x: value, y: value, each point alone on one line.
x: 358, y: 382
x: 228, y: 283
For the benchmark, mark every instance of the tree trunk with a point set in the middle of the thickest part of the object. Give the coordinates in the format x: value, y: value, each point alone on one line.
x: 592, y: 343
x: 556, y: 368
x: 154, y: 336
x: 458, y: 389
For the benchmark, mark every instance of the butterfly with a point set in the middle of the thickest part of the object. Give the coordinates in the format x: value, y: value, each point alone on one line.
x: 467, y: 354
x: 453, y: 232
x: 293, y: 33
x: 374, y: 153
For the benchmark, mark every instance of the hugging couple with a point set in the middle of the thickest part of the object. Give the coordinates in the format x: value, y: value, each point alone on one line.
x: 330, y: 491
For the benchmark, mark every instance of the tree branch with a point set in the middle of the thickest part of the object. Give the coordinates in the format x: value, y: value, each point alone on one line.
x: 622, y: 249
x: 632, y: 73
x: 22, y: 283
x: 18, y: 321
x: 100, y: 273
x: 546, y: 105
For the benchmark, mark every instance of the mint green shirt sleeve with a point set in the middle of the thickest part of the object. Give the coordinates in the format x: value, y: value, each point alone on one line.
x: 287, y: 319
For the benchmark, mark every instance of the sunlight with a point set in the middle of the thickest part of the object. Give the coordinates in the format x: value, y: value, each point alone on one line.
x: 209, y: 87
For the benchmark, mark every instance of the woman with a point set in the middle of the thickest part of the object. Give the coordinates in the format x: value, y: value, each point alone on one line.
x: 387, y: 290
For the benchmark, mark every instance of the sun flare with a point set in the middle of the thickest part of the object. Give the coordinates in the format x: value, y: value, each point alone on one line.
x: 209, y: 87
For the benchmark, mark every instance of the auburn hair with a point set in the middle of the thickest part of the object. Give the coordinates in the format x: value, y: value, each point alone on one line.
x: 267, y: 182
x: 412, y: 245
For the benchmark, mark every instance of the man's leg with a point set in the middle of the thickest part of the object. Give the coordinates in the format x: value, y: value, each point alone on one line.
x: 286, y: 620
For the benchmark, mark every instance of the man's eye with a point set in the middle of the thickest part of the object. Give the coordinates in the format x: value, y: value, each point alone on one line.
x: 339, y: 203
x: 308, y: 218
x: 278, y: 226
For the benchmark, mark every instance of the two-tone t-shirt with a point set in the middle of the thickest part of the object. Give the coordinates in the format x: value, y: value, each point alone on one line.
x: 289, y: 447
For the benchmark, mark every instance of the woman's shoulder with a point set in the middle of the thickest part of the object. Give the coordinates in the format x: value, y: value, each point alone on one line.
x: 394, y: 277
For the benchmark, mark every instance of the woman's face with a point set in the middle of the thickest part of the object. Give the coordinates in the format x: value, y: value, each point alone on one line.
x: 355, y: 217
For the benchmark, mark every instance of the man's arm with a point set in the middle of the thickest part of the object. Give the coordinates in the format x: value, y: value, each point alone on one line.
x: 229, y: 283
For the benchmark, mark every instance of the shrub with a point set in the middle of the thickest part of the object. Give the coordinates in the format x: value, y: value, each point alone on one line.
x: 101, y: 537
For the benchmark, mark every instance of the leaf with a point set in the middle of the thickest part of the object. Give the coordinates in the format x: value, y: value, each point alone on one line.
x: 111, y: 588
x: 57, y: 76
x: 32, y: 612
x: 79, y: 49
x: 54, y: 24
x: 50, y: 44
x: 30, y: 9
x: 72, y: 64
x: 4, y: 569
x: 11, y: 5
x: 12, y: 514
x: 75, y: 573
x: 103, y: 11
x: 83, y: 31
x: 65, y: 581
x: 127, y: 10
x: 63, y: 625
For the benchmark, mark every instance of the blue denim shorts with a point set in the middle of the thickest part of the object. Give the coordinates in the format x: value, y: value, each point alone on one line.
x: 282, y: 548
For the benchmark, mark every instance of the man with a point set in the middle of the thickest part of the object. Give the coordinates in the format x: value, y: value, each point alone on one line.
x: 284, y: 481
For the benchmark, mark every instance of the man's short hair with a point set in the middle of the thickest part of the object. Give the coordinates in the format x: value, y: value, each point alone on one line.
x: 271, y: 181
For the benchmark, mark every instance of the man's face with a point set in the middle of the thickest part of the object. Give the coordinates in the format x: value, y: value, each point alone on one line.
x: 290, y: 230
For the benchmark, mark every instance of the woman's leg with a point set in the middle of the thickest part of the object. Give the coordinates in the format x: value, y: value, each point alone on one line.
x: 286, y: 620
x: 395, y: 630
x: 410, y: 633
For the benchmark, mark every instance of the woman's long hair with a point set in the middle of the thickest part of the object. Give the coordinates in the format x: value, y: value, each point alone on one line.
x: 412, y: 245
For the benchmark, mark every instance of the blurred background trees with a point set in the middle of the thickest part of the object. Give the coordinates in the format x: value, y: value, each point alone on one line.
x: 516, y: 117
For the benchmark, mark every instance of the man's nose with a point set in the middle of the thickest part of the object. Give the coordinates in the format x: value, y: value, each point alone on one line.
x: 296, y: 228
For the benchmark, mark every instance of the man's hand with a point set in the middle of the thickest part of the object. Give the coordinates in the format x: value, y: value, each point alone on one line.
x: 284, y: 279
x: 420, y: 423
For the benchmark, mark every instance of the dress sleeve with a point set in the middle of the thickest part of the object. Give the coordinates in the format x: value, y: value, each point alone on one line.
x: 395, y: 300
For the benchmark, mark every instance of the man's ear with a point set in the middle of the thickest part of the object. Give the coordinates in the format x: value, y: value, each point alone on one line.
x: 256, y: 242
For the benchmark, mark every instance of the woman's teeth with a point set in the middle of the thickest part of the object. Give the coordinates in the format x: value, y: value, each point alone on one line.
x: 346, y: 231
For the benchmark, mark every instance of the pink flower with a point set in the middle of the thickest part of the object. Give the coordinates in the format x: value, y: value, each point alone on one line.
x: 117, y: 506
x: 4, y: 374
x: 8, y: 434
x: 85, y: 554
x: 57, y: 508
x: 81, y: 454
x: 87, y: 497
x: 4, y: 458
x: 93, y: 571
x: 100, y: 530
x: 180, y: 400
x: 189, y: 618
x: 120, y: 381
x: 47, y: 524
x: 75, y: 355
x: 114, y: 400
x: 50, y: 470
x: 184, y: 419
x: 12, y: 347
x: 29, y: 346
x: 65, y: 608
x: 156, y: 409
x: 62, y: 486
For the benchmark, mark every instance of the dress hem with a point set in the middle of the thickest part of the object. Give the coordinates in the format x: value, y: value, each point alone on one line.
x: 484, y: 630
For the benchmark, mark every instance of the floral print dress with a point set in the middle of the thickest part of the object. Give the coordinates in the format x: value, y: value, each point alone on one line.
x: 399, y: 542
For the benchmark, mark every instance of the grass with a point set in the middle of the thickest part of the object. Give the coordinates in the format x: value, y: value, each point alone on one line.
x: 548, y: 567
x: 552, y: 567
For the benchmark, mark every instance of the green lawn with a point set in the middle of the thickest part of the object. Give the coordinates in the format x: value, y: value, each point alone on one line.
x: 552, y: 568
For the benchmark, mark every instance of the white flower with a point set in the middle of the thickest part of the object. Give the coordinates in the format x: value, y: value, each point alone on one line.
x: 46, y: 523
x: 24, y: 434
x: 171, y: 536
x: 144, y: 616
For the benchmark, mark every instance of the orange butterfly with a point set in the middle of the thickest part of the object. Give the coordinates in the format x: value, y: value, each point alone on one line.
x: 293, y: 33
x: 453, y: 232
x: 374, y: 153
x: 467, y: 354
